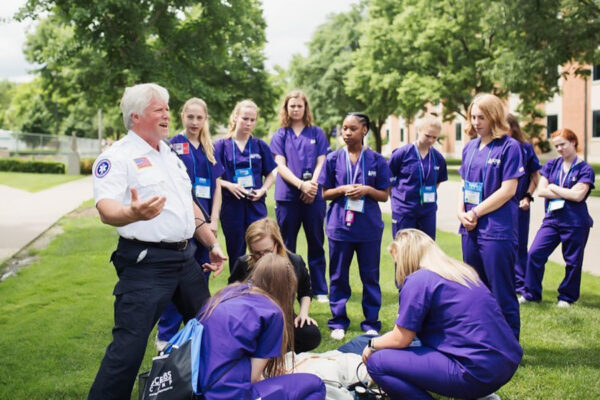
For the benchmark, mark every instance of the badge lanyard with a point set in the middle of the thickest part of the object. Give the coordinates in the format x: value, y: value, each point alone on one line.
x: 486, y: 160
x: 561, y: 181
x: 194, y: 162
x: 249, y: 152
x: 422, y: 177
x: 352, y: 180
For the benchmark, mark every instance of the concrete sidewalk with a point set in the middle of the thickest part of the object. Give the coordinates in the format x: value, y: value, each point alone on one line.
x: 24, y: 216
x: 447, y: 221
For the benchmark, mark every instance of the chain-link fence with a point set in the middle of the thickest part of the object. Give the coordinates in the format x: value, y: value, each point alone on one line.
x: 16, y: 144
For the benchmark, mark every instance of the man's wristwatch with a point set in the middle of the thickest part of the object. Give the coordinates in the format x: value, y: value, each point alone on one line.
x: 212, y: 246
x: 371, y: 344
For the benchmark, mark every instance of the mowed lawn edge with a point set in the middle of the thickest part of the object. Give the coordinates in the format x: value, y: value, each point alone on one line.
x: 32, y: 182
x: 56, y: 317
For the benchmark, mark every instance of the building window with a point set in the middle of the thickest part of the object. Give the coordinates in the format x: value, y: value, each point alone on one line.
x: 402, y: 134
x: 596, y: 73
x: 458, y: 131
x: 596, y: 124
x: 551, y: 124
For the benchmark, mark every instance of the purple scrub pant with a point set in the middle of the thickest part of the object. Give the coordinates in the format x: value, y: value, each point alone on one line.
x: 292, y: 214
x: 494, y: 261
x: 521, y: 263
x: 424, y: 222
x: 171, y: 320
x: 236, y: 216
x: 298, y: 386
x: 410, y: 373
x: 573, y: 245
x: 340, y: 257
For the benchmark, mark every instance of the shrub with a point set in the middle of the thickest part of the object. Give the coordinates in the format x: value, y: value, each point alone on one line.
x: 85, y: 166
x: 41, y: 167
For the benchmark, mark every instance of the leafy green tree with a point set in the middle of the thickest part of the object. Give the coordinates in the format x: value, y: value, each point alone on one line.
x: 6, y: 92
x: 322, y: 74
x: 89, y: 51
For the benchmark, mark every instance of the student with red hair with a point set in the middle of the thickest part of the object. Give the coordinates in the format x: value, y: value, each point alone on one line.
x: 565, y: 184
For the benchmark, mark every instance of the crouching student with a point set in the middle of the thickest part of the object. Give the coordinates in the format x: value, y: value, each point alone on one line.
x: 263, y: 237
x: 468, y: 350
x: 354, y: 179
x: 247, y: 330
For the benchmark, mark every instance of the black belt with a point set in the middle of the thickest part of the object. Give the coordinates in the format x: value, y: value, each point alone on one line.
x: 179, y: 246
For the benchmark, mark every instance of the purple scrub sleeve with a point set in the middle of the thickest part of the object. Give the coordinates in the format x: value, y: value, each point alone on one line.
x: 467, y: 346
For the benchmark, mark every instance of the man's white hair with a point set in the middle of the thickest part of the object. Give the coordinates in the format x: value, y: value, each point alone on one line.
x: 136, y: 98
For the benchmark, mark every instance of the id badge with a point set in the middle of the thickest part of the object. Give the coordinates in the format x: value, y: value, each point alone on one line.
x: 244, y: 177
x: 555, y: 204
x: 307, y: 176
x: 202, y: 188
x: 349, y: 219
x: 427, y: 194
x: 355, y: 205
x: 472, y: 192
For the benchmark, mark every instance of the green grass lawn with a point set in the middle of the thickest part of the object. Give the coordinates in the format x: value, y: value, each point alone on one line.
x: 56, y: 317
x: 34, y: 182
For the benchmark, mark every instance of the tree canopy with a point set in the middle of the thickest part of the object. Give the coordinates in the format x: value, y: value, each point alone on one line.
x: 89, y: 51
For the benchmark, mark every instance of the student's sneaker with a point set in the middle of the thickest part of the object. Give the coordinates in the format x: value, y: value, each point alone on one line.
x: 160, y: 344
x: 563, y: 304
x: 492, y: 396
x: 522, y: 300
x: 338, y: 334
x: 322, y: 298
x: 371, y: 332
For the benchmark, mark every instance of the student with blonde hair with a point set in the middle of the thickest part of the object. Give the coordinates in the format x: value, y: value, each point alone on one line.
x: 468, y: 350
x: 246, y: 160
x: 194, y: 147
x: 492, y: 163
x: 300, y: 149
x: 417, y: 170
x: 263, y: 237
x: 248, y: 329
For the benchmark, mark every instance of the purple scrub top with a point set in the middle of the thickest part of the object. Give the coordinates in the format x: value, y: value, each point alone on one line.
x: 462, y: 322
x: 263, y: 162
x: 407, y: 177
x: 573, y: 214
x: 197, y: 165
x: 504, y: 162
x: 531, y: 163
x: 301, y: 153
x: 367, y: 226
x: 246, y: 326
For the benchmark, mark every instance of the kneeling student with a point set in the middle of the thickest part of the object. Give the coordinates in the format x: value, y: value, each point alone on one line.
x: 247, y: 329
x: 263, y: 237
x: 468, y: 350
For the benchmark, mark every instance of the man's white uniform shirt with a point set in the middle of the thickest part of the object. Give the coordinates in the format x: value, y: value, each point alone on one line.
x: 132, y: 163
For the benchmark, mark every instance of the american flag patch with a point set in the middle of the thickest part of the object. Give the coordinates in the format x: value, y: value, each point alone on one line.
x: 182, y: 148
x: 142, y: 162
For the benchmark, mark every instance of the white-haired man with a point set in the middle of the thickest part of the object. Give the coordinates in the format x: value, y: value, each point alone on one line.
x: 142, y: 188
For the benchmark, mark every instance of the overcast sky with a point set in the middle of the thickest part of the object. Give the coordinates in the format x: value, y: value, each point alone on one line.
x: 290, y: 25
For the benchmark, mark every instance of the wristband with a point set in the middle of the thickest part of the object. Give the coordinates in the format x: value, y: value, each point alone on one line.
x: 371, y: 344
x: 474, y: 212
x: 529, y: 196
x: 212, y: 246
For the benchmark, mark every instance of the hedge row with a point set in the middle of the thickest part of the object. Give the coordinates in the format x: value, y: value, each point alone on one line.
x: 40, y: 167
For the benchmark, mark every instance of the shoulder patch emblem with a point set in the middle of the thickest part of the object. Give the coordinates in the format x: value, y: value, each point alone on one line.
x: 102, y: 168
